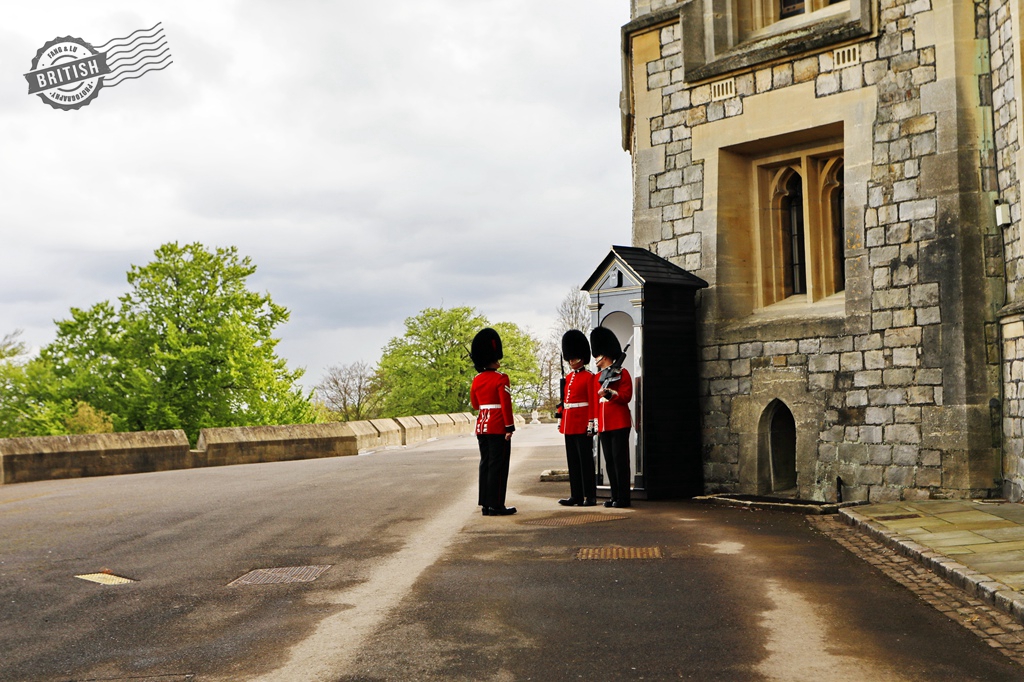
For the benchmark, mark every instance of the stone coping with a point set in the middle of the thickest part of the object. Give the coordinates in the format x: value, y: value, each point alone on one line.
x: 53, y: 457
x: 780, y: 504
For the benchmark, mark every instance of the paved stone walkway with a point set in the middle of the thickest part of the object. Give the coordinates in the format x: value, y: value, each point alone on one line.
x: 964, y: 557
x: 997, y: 628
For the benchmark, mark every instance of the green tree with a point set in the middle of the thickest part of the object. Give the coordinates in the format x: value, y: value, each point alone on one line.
x: 520, y: 363
x: 189, y: 347
x: 428, y: 370
x: 87, y: 419
x: 29, y: 400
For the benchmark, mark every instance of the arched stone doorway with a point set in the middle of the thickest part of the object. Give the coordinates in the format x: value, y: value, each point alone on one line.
x: 778, y: 448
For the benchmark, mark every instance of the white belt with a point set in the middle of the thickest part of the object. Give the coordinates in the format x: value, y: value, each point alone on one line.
x: 490, y: 407
x: 569, y: 405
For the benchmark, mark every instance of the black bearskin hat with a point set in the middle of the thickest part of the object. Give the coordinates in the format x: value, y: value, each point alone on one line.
x: 486, y: 348
x: 575, y: 345
x: 604, y: 342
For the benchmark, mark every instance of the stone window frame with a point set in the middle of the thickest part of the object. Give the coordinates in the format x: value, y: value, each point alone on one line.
x: 714, y: 45
x: 743, y: 295
x: 817, y: 165
x: 759, y: 18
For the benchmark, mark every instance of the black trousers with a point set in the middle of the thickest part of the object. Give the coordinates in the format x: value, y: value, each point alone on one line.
x: 495, y: 453
x: 615, y: 446
x: 579, y: 455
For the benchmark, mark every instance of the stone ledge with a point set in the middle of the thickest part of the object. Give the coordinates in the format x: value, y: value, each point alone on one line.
x: 257, y: 444
x: 103, y: 454
x: 797, y: 506
x: 55, y: 457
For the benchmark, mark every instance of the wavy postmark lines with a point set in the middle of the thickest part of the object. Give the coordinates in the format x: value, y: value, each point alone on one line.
x: 68, y: 73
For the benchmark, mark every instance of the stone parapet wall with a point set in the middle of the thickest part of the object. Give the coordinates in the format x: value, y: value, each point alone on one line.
x: 103, y: 454
x: 55, y: 457
x: 253, y: 444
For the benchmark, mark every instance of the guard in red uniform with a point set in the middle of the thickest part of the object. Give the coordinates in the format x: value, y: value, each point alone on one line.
x: 491, y: 393
x: 613, y: 389
x: 578, y: 411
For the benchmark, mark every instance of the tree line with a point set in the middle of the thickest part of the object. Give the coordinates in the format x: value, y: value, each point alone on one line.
x: 190, y: 346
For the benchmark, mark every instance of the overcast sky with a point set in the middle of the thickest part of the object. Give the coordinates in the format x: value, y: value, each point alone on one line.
x: 373, y: 158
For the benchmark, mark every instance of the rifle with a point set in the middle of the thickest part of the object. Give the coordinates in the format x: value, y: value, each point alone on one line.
x: 613, y: 371
x: 561, y: 388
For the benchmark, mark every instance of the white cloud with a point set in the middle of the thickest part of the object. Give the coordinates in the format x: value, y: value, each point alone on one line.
x: 372, y: 158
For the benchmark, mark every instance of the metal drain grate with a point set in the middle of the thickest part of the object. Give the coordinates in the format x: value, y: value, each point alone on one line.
x: 619, y: 553
x: 289, y: 574
x: 897, y: 517
x: 105, y: 578
x: 572, y: 519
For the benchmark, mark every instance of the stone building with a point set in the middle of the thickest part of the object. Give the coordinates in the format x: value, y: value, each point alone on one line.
x: 844, y: 176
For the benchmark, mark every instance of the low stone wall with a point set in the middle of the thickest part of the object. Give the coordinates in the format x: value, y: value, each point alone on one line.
x: 251, y: 444
x: 102, y: 454
x: 54, y: 457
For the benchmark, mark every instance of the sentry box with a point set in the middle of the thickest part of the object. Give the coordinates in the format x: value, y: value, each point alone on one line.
x: 642, y: 296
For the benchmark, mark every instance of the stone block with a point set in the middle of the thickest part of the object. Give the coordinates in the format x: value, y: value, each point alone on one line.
x: 53, y: 457
x: 903, y: 433
x: 388, y: 432
x: 899, y: 476
x: 465, y: 423
x: 252, y: 444
x: 412, y: 430
x: 880, y: 455
x: 445, y: 425
x: 429, y: 426
x: 878, y: 415
x: 929, y: 477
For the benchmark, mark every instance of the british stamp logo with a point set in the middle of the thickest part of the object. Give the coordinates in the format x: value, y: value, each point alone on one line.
x: 68, y: 73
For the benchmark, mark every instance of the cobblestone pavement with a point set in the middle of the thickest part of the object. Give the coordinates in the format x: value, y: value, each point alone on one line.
x: 997, y: 629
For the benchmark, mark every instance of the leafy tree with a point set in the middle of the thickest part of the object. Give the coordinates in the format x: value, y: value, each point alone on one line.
x: 428, y: 371
x: 189, y: 347
x: 520, y: 363
x: 349, y: 392
x: 29, y: 404
x: 87, y: 419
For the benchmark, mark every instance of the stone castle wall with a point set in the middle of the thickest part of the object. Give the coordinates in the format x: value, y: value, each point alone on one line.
x: 894, y: 384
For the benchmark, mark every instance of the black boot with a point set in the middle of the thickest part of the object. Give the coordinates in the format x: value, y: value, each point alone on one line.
x: 502, y: 511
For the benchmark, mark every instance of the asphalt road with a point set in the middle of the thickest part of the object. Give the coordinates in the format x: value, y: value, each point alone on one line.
x: 421, y: 587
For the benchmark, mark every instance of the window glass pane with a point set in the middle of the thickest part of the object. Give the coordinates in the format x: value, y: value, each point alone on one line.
x: 795, y: 275
x: 790, y: 8
x: 838, y: 233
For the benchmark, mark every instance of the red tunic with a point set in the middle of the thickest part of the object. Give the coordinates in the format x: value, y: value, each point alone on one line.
x: 491, y: 393
x: 579, y: 405
x: 614, y: 414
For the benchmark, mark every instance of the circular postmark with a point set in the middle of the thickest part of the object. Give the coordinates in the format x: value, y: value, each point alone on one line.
x: 67, y: 73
